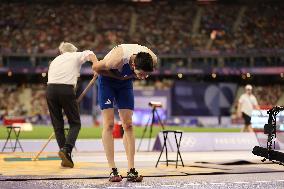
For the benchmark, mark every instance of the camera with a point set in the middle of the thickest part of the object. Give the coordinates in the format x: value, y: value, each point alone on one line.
x: 270, y: 129
x: 155, y: 104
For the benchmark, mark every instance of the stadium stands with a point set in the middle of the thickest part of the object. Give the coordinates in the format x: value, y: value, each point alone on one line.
x: 176, y: 28
x: 24, y: 100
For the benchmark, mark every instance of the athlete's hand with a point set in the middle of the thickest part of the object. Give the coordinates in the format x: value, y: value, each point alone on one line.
x: 140, y: 74
x: 93, y: 58
x: 96, y: 74
x: 239, y: 114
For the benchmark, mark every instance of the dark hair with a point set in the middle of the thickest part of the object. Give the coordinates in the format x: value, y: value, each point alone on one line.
x: 144, y: 61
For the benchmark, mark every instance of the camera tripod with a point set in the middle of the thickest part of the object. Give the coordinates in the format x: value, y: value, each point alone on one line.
x: 152, y: 118
x: 269, y: 152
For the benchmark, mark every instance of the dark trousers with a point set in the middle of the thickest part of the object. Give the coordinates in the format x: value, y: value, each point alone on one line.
x: 247, y: 118
x: 62, y: 97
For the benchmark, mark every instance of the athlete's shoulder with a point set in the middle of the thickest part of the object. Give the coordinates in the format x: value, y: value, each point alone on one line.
x: 113, y: 59
x: 131, y: 45
x: 115, y: 53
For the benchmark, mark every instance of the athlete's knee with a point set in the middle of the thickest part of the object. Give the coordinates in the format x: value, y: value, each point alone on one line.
x: 108, y: 126
x: 127, y: 126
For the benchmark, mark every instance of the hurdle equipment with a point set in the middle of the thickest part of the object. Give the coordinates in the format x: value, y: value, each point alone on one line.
x: 17, y: 131
x: 178, y: 140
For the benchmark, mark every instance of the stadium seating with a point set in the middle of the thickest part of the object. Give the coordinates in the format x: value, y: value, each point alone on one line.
x: 167, y: 28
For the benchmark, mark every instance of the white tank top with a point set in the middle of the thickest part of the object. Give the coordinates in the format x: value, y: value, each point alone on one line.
x: 127, y: 51
x: 130, y: 49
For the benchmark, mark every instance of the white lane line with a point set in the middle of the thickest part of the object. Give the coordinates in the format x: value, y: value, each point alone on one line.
x: 279, y: 180
x: 241, y: 182
x: 262, y: 181
x: 143, y: 186
x: 192, y: 184
x: 168, y: 185
x: 217, y: 183
x: 113, y: 187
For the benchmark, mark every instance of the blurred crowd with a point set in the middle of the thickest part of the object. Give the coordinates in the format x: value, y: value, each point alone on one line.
x: 158, y: 84
x: 171, y: 28
x: 261, y: 27
x: 27, y: 101
x: 268, y: 96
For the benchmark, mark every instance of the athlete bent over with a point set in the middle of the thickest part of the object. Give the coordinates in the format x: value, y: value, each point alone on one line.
x: 116, y: 72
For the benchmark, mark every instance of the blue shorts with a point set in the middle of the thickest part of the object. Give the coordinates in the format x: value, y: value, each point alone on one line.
x: 112, y: 91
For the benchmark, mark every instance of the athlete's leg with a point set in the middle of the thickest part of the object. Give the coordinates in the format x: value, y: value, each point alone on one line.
x: 108, y: 122
x: 107, y: 137
x: 106, y: 97
x: 125, y: 103
x: 128, y: 138
x: 129, y: 143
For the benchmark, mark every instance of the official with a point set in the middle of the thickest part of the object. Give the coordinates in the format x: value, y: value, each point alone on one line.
x: 247, y: 103
x: 62, y: 79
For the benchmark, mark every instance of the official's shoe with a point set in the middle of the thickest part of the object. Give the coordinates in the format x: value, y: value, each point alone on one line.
x: 133, y: 176
x: 66, y: 158
x: 114, y: 176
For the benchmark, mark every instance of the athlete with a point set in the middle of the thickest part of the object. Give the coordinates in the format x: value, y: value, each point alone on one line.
x: 116, y: 72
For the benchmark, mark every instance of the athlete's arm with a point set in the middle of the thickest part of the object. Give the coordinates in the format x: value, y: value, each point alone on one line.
x: 92, y: 57
x: 108, y: 73
x: 99, y: 66
x: 111, y: 61
x: 155, y: 59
